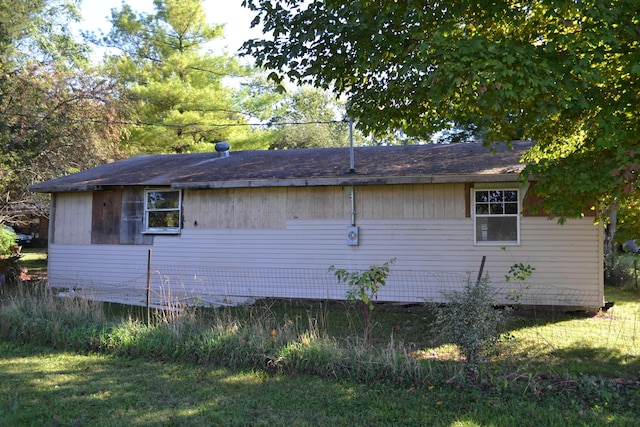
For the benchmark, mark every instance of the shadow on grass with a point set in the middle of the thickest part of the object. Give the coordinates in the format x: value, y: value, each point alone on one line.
x: 34, y: 260
x: 43, y: 387
x: 602, y: 361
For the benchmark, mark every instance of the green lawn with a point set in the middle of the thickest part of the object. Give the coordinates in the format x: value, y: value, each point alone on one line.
x: 559, y: 369
x: 35, y: 261
x: 39, y: 386
x: 67, y: 362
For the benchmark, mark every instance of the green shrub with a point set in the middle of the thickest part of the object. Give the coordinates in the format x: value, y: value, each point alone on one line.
x: 471, y: 321
x: 363, y: 287
x: 10, y: 269
x: 7, y: 239
x: 617, y: 270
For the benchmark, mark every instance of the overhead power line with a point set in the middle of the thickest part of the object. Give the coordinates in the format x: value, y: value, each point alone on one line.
x: 176, y: 125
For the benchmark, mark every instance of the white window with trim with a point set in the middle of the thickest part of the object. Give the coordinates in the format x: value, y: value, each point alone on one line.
x: 162, y: 211
x: 496, y: 216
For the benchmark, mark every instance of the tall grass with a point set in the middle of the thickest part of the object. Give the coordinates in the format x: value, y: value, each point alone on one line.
x: 325, y: 339
x: 35, y: 315
x: 248, y: 338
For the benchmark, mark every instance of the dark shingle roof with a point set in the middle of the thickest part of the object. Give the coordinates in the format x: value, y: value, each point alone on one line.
x: 321, y: 166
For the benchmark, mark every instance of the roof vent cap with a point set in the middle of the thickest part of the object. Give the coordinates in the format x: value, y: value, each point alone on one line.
x: 222, y: 148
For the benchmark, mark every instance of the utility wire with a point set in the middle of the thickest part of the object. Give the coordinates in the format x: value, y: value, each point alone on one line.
x: 175, y: 125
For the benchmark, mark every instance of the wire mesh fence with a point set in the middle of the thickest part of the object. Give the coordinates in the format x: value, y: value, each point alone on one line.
x: 179, y: 286
x: 184, y: 285
x: 174, y: 286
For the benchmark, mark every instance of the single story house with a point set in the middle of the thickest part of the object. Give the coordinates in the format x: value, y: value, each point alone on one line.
x: 221, y: 226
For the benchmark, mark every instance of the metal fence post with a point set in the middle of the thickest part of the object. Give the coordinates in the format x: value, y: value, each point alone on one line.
x: 149, y: 288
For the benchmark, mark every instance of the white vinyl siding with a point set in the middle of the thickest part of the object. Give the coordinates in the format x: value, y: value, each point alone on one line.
x: 280, y: 242
x: 293, y: 263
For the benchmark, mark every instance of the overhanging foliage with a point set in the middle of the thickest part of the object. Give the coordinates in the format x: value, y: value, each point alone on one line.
x: 561, y: 72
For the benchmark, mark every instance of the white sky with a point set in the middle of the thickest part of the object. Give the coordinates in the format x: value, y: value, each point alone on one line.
x: 237, y: 19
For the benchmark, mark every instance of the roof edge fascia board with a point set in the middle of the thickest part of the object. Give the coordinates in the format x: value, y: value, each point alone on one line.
x: 435, y: 179
x: 295, y: 182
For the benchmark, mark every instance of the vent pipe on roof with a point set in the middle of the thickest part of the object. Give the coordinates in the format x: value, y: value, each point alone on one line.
x: 222, y: 148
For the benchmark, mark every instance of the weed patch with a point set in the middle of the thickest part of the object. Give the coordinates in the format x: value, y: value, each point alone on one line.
x: 557, y: 368
x: 315, y: 337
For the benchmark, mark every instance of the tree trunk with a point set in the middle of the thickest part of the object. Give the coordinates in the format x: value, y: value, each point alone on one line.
x: 610, y: 229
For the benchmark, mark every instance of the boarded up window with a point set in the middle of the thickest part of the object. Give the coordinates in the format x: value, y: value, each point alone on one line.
x: 132, y: 224
x: 118, y: 217
x: 105, y: 218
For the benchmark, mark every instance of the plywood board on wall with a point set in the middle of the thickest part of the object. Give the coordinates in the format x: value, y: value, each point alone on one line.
x: 105, y: 217
x: 270, y: 208
x: 72, y: 218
